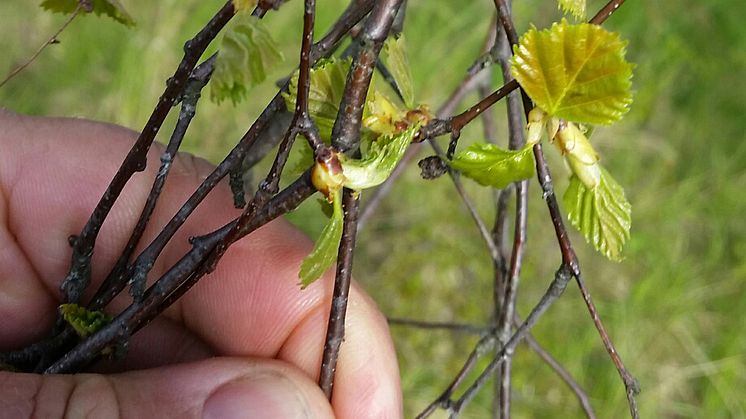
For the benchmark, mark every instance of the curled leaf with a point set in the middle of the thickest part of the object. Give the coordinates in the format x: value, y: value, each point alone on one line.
x: 579, y: 154
x: 111, y: 8
x: 575, y: 72
x: 247, y: 54
x: 394, y: 54
x: 490, y: 165
x: 328, y: 79
x: 324, y: 252
x: 84, y: 321
x: 380, y: 160
x: 602, y: 214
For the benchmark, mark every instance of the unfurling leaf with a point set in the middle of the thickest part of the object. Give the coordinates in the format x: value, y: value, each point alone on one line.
x: 380, y: 160
x: 394, y: 54
x: 239, y: 5
x: 85, y: 322
x: 574, y: 7
x: 602, y: 214
x: 575, y: 72
x: 328, y: 79
x: 579, y: 154
x: 111, y: 8
x: 490, y: 165
x: 247, y: 53
x: 325, y: 250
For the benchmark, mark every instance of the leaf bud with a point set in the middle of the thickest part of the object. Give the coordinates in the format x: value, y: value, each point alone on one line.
x: 327, y: 175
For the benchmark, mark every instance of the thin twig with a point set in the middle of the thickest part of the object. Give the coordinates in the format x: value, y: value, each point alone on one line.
x: 79, y: 275
x: 448, y: 326
x: 558, y: 285
x: 346, y: 138
x: 516, y: 141
x: 564, y: 375
x: 115, y: 282
x: 51, y: 41
x: 468, y: 84
x: 485, y: 345
x: 146, y: 260
x: 176, y: 281
x: 569, y: 257
x: 335, y: 330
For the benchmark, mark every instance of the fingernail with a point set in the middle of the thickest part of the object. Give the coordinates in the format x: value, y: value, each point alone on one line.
x: 269, y: 396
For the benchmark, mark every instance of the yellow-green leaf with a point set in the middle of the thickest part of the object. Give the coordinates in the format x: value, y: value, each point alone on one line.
x: 602, y: 214
x: 576, y: 72
x: 111, y: 8
x: 324, y: 252
x: 239, y: 5
x: 394, y: 54
x: 84, y: 321
x: 574, y: 7
x: 328, y: 79
x: 490, y: 165
x: 381, y: 159
x: 247, y: 53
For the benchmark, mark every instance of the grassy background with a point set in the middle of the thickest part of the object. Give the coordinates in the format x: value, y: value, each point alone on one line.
x: 674, y: 306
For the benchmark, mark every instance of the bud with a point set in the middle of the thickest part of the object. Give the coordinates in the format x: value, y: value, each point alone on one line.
x: 327, y: 175
x: 579, y: 153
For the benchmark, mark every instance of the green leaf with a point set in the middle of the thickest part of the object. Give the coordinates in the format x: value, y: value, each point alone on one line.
x: 111, y: 8
x: 490, y: 165
x: 381, y: 159
x: 602, y: 214
x: 574, y: 7
x: 247, y: 53
x: 575, y: 72
x: 328, y: 79
x: 85, y: 322
x: 325, y: 250
x: 394, y: 54
x: 239, y: 5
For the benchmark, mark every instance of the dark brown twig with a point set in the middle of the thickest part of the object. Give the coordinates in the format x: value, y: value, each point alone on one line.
x: 78, y: 276
x: 335, y: 330
x: 346, y: 138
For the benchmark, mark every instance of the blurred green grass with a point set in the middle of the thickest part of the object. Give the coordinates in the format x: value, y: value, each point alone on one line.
x: 673, y: 307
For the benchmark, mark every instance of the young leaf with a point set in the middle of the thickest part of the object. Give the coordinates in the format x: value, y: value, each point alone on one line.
x: 85, y: 322
x: 328, y: 79
x: 247, y: 53
x: 579, y: 154
x: 574, y: 7
x: 394, y: 54
x: 381, y: 159
x: 489, y: 165
x: 602, y: 214
x: 239, y: 5
x: 575, y: 72
x: 325, y: 250
x: 111, y: 8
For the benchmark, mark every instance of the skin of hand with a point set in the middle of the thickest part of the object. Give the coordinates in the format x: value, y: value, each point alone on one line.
x: 246, y: 341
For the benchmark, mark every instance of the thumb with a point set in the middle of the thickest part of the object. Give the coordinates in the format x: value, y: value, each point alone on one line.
x: 215, y: 388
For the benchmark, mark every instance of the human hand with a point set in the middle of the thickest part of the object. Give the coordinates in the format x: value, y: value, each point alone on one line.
x: 245, y: 342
